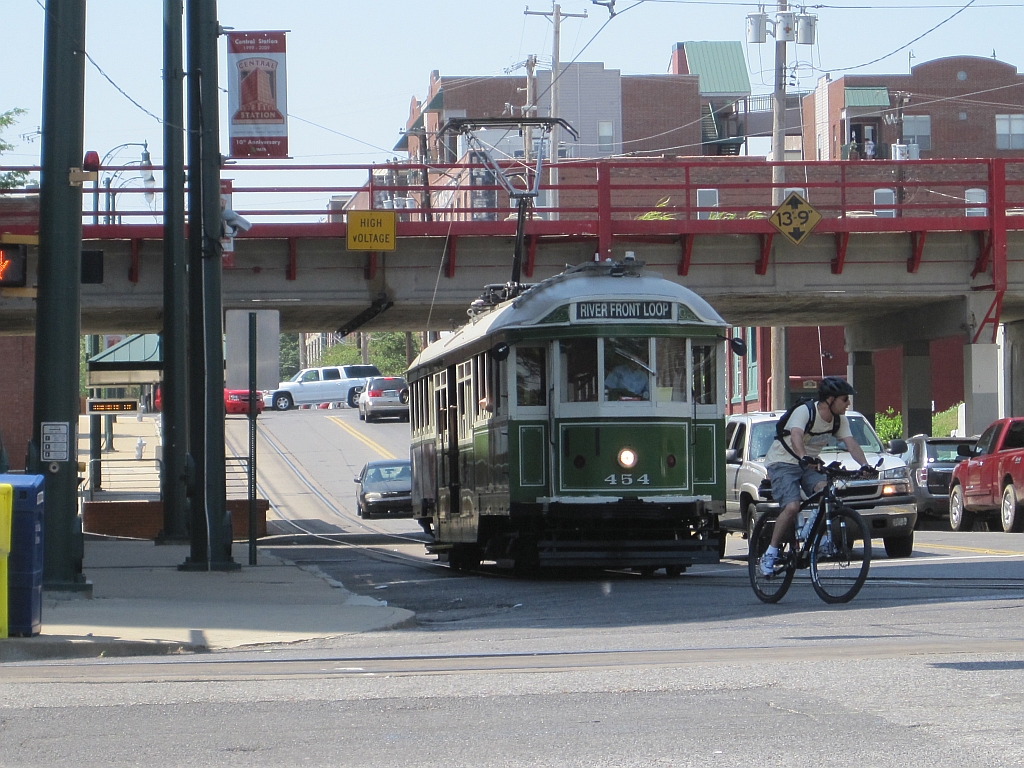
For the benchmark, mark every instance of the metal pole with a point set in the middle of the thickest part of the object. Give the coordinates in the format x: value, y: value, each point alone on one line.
x: 95, y: 432
x: 58, y: 306
x: 252, y: 438
x: 199, y: 557
x: 556, y: 17
x: 780, y: 382
x: 174, y: 404
x: 217, y: 514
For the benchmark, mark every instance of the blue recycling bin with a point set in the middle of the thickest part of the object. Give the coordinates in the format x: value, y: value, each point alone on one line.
x: 25, y: 563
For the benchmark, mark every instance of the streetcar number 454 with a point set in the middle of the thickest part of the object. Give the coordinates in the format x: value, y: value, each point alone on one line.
x: 627, y: 480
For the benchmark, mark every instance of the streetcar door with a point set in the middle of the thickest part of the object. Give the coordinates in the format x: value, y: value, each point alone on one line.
x: 448, y: 491
x: 440, y: 416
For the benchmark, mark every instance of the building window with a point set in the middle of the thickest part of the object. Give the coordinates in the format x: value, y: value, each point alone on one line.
x: 737, y: 378
x: 1009, y: 131
x: 605, y: 137
x: 917, y: 129
x: 751, y: 364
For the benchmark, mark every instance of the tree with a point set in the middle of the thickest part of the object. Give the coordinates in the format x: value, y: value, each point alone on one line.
x: 386, y: 351
x: 289, y: 355
x: 11, y: 179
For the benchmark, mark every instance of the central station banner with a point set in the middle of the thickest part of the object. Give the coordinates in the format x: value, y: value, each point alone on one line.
x: 257, y: 94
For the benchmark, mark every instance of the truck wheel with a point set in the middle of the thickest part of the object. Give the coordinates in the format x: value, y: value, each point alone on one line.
x: 959, y: 518
x: 1010, y: 513
x: 282, y: 402
x: 353, y: 398
x: 899, y: 546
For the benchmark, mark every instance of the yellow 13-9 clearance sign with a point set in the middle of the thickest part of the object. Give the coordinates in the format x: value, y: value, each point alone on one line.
x: 371, y: 231
x: 795, y: 218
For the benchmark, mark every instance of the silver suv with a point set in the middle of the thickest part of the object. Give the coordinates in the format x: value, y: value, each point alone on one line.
x: 312, y: 386
x: 886, y: 504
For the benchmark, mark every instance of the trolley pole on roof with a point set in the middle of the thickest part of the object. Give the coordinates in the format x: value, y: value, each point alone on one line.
x: 53, y: 449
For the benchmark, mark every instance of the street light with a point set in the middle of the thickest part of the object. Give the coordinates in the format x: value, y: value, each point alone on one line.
x: 148, y: 179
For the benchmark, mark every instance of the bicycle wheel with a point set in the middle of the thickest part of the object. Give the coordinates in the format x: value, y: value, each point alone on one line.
x: 841, y: 556
x: 770, y: 589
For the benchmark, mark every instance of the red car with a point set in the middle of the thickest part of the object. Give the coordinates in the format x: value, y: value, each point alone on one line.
x: 237, y: 401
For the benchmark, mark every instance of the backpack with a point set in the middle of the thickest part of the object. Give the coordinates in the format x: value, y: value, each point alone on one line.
x: 810, y: 404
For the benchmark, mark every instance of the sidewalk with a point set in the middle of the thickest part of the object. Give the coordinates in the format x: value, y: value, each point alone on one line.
x: 142, y: 604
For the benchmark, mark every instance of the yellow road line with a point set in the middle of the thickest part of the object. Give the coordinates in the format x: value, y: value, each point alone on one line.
x: 384, y: 452
x: 970, y: 549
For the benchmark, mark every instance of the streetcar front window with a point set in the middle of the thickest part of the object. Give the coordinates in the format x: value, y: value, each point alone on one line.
x: 579, y: 371
x: 627, y: 366
x: 671, y: 367
x: 705, y: 374
x: 531, y: 376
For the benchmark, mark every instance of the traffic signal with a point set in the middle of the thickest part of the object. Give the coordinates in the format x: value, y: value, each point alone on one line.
x: 13, y: 265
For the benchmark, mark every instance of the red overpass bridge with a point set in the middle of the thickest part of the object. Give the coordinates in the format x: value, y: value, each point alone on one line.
x: 917, y: 248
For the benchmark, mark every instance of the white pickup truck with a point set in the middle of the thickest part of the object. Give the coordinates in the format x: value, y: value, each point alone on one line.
x: 886, y: 503
x: 311, y: 386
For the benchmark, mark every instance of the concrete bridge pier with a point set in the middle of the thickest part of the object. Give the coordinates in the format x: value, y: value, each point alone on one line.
x: 862, y: 376
x: 917, y: 389
x: 913, y: 329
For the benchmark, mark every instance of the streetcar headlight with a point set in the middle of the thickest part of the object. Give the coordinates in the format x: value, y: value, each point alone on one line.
x: 627, y: 458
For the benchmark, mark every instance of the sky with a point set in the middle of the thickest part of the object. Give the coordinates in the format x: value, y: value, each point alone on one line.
x: 353, y: 67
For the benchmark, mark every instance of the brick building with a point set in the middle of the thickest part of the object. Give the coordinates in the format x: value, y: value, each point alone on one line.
x: 960, y: 106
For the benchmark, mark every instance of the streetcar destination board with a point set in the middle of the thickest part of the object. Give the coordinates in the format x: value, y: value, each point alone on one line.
x: 624, y: 310
x: 108, y: 405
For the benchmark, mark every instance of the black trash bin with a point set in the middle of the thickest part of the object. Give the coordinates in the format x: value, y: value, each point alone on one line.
x: 25, y: 563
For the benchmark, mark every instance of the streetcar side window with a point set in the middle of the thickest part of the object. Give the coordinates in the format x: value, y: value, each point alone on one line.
x: 578, y: 371
x: 627, y: 365
x: 531, y: 376
x: 464, y: 380
x: 705, y: 377
x: 671, y: 366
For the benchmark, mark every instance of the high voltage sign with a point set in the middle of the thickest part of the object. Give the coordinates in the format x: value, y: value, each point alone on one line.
x: 795, y: 219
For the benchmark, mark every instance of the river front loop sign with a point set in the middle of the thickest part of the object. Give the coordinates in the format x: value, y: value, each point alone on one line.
x: 371, y: 231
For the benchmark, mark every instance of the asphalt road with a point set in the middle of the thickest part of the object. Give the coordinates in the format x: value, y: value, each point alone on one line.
x: 924, y: 668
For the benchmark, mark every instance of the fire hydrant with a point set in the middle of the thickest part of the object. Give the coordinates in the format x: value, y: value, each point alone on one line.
x: 139, y: 446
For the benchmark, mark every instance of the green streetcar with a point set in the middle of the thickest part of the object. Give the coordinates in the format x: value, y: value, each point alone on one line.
x: 578, y: 423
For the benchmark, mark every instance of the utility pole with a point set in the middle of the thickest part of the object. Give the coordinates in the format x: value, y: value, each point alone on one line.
x: 779, y: 113
x: 174, y: 340
x: 53, y: 451
x: 556, y: 20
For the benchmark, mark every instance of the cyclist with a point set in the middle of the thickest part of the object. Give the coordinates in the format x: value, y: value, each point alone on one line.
x: 792, y: 461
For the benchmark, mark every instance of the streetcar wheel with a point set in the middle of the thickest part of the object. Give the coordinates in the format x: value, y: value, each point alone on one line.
x: 282, y: 402
x: 674, y: 571
x: 899, y: 546
x: 959, y: 518
x: 1010, y: 514
x: 841, y: 557
x: 770, y: 589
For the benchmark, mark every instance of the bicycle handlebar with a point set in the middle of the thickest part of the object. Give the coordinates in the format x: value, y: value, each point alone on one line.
x: 836, y: 471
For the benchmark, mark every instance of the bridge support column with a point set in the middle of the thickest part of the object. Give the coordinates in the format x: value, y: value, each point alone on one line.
x: 862, y: 376
x: 917, y: 389
x: 981, y: 386
x: 1013, y: 365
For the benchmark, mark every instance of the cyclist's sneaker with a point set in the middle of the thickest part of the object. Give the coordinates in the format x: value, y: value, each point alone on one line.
x: 767, y: 564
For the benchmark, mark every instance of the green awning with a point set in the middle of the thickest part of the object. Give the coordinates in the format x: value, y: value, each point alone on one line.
x: 867, y: 96
x: 417, y: 124
x: 436, y: 102
x: 403, y: 144
x: 137, y: 359
x: 720, y: 66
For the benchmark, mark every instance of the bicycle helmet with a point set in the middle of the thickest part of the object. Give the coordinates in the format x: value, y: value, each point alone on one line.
x: 833, y: 386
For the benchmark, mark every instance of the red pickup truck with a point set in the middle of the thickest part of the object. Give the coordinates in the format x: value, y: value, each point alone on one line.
x: 989, y: 484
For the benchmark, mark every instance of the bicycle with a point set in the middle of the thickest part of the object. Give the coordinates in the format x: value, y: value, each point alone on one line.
x: 834, y: 543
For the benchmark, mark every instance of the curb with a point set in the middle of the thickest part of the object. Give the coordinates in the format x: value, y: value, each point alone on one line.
x: 42, y: 648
